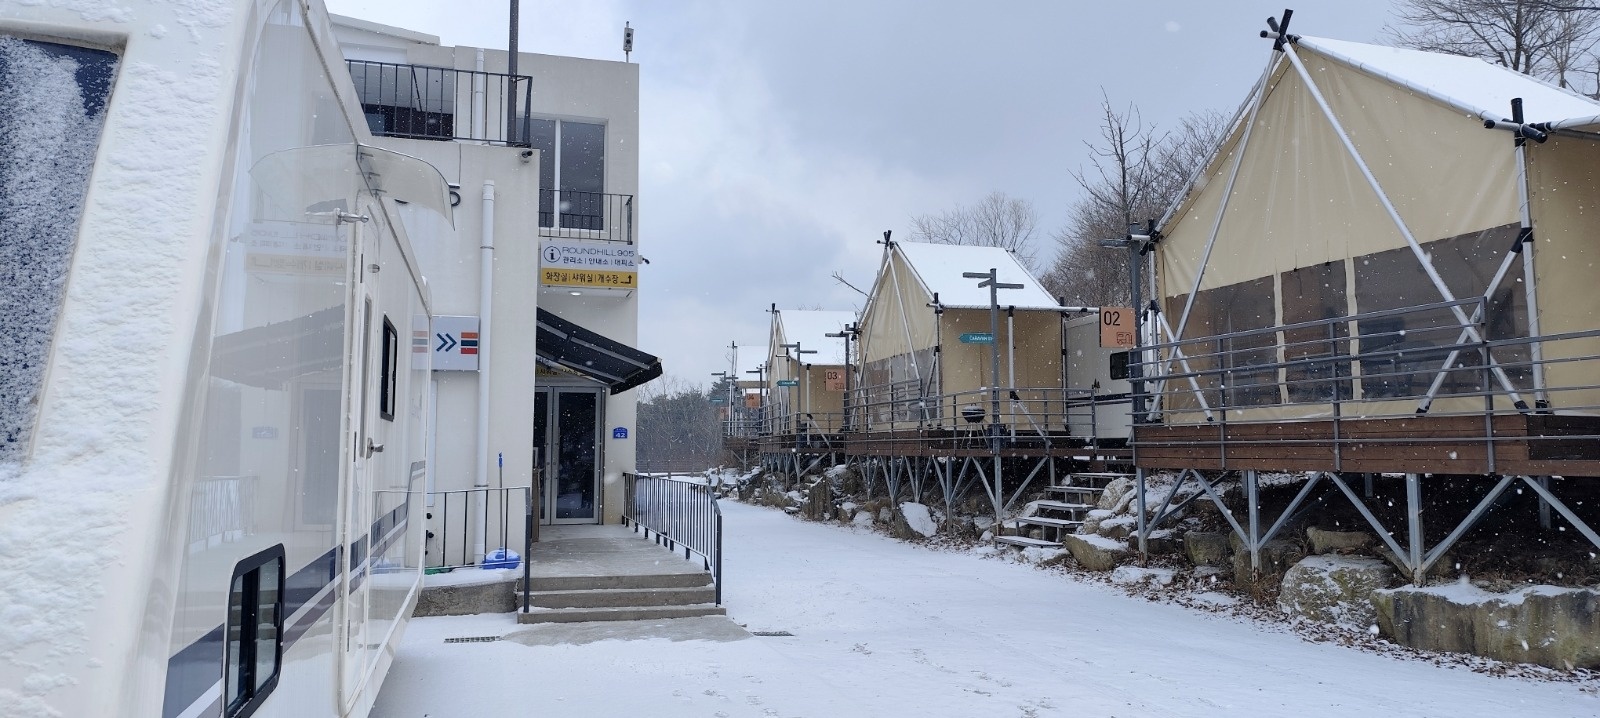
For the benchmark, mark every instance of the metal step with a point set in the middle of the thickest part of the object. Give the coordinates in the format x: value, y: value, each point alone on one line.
x: 1062, y: 506
x: 1047, y: 521
x: 1086, y: 490
x: 1025, y: 542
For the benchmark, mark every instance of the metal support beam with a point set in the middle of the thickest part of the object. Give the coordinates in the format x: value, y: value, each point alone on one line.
x: 1414, y: 525
x: 1466, y: 524
x: 1253, y: 507
x: 1565, y: 512
x: 1377, y: 526
x: 1144, y: 530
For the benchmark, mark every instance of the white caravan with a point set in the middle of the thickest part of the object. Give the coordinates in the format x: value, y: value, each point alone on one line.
x: 213, y: 365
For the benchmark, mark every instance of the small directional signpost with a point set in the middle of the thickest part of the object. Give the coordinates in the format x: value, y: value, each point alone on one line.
x: 455, y: 343
x: 977, y: 338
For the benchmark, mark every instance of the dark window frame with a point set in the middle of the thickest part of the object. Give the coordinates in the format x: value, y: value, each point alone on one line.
x: 243, y: 699
x: 388, y: 370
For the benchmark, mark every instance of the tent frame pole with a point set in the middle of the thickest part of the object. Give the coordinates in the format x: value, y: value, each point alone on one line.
x: 1394, y: 215
x: 1530, y: 281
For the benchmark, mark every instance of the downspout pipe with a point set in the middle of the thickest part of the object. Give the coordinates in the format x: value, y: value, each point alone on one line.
x: 485, y: 319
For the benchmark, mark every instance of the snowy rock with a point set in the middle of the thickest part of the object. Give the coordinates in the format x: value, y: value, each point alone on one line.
x: 1041, y: 556
x: 1118, y: 528
x: 1091, y: 521
x: 1160, y: 542
x: 1096, y: 553
x: 862, y: 519
x: 917, y: 521
x: 1323, y: 541
x: 1111, y: 497
x: 1206, y: 548
x: 819, y: 501
x: 1277, y: 556
x: 1547, y: 625
x: 1334, y: 589
x: 1131, y: 575
x: 885, y: 515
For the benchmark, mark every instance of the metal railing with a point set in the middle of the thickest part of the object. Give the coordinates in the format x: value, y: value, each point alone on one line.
x: 437, y: 103
x: 222, y: 510
x: 502, y: 524
x: 1386, y: 363
x: 574, y: 214
x: 681, y: 513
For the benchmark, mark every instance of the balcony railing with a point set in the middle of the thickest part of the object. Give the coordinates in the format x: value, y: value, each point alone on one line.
x: 572, y: 214
x: 437, y: 103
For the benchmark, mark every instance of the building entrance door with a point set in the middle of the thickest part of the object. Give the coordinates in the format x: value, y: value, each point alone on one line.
x: 566, y: 442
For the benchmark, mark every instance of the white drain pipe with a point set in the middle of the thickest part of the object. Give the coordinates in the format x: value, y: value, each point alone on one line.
x: 485, y: 314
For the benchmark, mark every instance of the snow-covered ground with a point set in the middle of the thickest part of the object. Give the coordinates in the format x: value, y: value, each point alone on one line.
x: 886, y: 628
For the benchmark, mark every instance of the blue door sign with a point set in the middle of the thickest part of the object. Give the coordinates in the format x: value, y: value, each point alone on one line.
x: 620, y: 432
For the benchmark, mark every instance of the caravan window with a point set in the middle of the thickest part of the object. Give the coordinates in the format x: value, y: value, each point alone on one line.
x: 254, y: 631
x: 388, y: 372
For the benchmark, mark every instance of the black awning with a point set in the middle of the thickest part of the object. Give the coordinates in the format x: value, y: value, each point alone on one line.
x: 271, y: 355
x: 613, y: 363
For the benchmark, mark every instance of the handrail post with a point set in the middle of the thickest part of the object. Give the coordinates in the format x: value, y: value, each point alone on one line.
x: 527, y: 546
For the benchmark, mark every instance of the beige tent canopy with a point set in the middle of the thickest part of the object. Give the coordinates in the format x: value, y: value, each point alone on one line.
x: 805, y: 371
x: 927, y: 348
x: 1377, y: 236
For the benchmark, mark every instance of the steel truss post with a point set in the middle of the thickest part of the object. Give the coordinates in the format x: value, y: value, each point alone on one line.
x: 1026, y: 482
x: 1565, y: 512
x: 1544, y: 506
x: 1414, y: 524
x: 1377, y: 526
x: 1142, y: 528
x: 1253, y: 508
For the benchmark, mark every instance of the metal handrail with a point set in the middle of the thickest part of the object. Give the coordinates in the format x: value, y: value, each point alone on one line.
x: 439, y: 103
x: 680, y: 513
x: 456, y: 509
x: 577, y: 214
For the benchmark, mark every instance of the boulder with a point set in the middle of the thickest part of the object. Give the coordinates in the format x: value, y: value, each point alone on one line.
x: 1111, y: 497
x: 1091, y: 521
x: 1160, y: 542
x: 1324, y: 541
x: 847, y: 511
x: 1120, y: 527
x: 1335, y: 589
x: 1096, y: 553
x: 914, y: 522
x: 819, y: 501
x: 1206, y: 548
x: 1277, y: 556
x: 862, y: 519
x: 1547, y: 625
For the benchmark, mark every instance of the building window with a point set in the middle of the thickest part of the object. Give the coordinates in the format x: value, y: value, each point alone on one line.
x: 388, y: 372
x: 254, y: 632
x: 572, y: 172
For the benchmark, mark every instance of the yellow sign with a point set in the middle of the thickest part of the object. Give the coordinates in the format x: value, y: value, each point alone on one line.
x: 588, y: 278
x: 1116, y: 327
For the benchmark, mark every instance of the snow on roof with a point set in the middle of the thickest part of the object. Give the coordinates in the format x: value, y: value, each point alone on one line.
x: 940, y: 266
x: 1468, y: 83
x: 811, y: 329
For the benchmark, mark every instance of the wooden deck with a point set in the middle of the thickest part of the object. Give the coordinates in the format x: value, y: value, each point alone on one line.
x: 943, y: 443
x: 1534, y: 445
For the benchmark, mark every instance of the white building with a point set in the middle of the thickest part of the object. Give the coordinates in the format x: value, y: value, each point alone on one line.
x: 559, y: 143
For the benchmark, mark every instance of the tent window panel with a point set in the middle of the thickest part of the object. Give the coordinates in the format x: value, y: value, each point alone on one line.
x: 1401, y: 355
x: 1248, y: 364
x: 1200, y: 357
x: 1317, y: 370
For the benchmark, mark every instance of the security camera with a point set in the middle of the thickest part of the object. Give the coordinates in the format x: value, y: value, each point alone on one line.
x: 527, y: 155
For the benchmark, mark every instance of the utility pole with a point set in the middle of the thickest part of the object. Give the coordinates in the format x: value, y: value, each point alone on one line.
x: 511, y: 75
x: 850, y: 331
x: 991, y: 279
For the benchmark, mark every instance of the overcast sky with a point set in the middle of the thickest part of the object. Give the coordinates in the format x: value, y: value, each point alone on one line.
x: 779, y: 140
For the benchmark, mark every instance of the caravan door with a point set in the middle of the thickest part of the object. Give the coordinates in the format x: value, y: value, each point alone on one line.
x: 356, y: 517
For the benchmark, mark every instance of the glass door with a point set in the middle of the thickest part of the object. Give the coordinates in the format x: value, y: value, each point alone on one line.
x: 567, y: 441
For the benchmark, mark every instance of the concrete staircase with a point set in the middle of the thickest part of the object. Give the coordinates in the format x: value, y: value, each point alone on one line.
x: 569, y: 599
x: 609, y: 573
x: 1078, y: 494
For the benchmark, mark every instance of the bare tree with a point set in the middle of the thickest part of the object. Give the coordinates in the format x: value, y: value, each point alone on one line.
x: 1550, y: 39
x: 1135, y: 173
x: 679, y: 426
x: 997, y: 220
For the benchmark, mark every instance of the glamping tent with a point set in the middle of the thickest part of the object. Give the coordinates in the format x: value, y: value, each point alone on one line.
x: 1374, y: 237
x: 927, y: 349
x: 806, y: 371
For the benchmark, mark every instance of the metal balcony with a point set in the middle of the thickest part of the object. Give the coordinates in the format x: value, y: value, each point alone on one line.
x: 436, y: 103
x: 571, y: 214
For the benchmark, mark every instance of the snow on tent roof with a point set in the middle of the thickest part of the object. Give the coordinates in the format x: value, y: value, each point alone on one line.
x: 940, y: 266
x: 1466, y: 83
x: 811, y: 329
